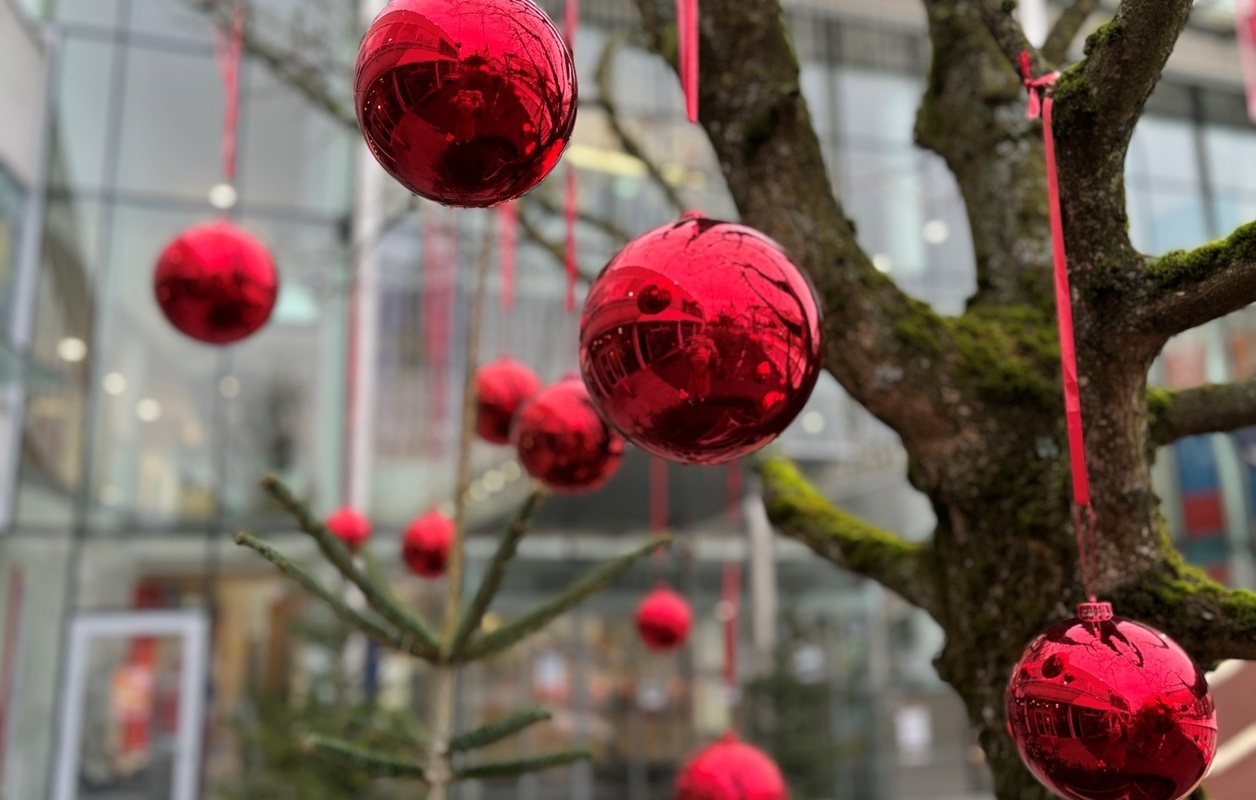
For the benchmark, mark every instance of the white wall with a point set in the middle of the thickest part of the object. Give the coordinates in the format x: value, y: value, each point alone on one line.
x: 21, y: 89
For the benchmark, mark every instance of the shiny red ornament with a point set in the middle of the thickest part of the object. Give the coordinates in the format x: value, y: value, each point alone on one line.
x: 700, y: 341
x: 731, y: 770
x: 425, y: 544
x: 563, y: 442
x: 216, y: 283
x: 500, y: 388
x: 663, y: 620
x: 1103, y: 707
x: 466, y: 102
x: 349, y: 526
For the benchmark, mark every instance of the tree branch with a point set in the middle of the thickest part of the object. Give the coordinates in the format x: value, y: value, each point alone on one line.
x: 1182, y: 290
x: 1066, y: 29
x: 1007, y: 32
x: 802, y: 513
x: 364, y: 758
x: 1211, y: 622
x: 1214, y: 408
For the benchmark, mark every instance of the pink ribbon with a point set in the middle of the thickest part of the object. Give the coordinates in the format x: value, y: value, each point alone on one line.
x: 572, y: 263
x: 687, y: 51
x: 1245, y: 32
x: 228, y: 46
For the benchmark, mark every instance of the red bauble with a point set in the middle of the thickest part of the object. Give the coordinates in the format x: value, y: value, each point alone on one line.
x: 700, y: 341
x: 500, y: 388
x: 349, y: 526
x: 563, y: 442
x: 731, y: 770
x: 425, y: 544
x: 1102, y: 707
x: 663, y: 620
x: 216, y: 283
x: 466, y: 102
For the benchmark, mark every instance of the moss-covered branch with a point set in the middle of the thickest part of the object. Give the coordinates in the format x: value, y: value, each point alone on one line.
x: 1211, y: 622
x: 1184, y: 289
x: 1066, y: 28
x: 1214, y: 408
x: 802, y: 513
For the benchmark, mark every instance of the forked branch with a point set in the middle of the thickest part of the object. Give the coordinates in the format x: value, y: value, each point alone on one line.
x: 1066, y: 28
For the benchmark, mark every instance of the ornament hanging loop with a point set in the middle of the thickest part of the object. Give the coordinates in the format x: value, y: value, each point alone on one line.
x: 1036, y: 87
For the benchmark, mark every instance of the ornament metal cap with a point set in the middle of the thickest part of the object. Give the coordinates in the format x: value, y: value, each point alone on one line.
x: 1094, y: 611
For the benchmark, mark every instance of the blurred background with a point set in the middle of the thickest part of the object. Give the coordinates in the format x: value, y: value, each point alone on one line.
x: 130, y: 454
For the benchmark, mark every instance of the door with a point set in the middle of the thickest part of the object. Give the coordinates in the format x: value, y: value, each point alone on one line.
x: 133, y: 708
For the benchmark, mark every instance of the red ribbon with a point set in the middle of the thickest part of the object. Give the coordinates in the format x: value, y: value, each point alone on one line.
x: 228, y: 46
x: 733, y: 487
x: 730, y: 595
x: 571, y: 21
x: 658, y: 495
x: 440, y: 257
x: 572, y: 263
x: 1041, y: 103
x: 1245, y: 31
x: 687, y: 50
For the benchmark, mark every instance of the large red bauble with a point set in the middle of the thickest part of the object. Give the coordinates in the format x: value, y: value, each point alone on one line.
x: 663, y: 620
x: 1102, y: 707
x: 466, y: 102
x: 700, y: 341
x: 216, y: 283
x: 500, y: 388
x: 349, y: 526
x: 731, y: 770
x: 425, y: 544
x: 563, y: 442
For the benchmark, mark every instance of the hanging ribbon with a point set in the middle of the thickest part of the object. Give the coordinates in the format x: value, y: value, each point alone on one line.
x: 228, y: 46
x: 1245, y: 32
x: 571, y: 21
x: 687, y: 51
x: 508, y: 242
x: 572, y: 264
x: 439, y: 255
x: 1042, y: 104
x: 730, y: 597
x: 658, y: 496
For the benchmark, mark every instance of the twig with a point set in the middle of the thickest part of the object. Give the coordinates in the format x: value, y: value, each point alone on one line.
x: 506, y: 769
x: 364, y: 759
x: 496, y: 731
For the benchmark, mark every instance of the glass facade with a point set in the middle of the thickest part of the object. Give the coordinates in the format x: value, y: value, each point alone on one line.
x: 140, y: 450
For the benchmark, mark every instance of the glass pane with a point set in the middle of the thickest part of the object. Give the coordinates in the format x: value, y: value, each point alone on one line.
x: 102, y: 13
x: 11, y: 207
x: 171, y: 18
x: 293, y: 154
x: 82, y: 114
x: 152, y: 458
x: 130, y: 718
x: 172, y: 124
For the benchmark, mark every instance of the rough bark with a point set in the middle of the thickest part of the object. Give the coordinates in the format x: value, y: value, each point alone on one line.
x: 977, y: 398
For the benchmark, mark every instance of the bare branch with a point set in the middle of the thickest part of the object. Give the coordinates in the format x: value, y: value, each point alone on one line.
x: 803, y: 514
x: 1184, y: 289
x: 1214, y: 408
x: 603, y: 77
x: 1066, y: 29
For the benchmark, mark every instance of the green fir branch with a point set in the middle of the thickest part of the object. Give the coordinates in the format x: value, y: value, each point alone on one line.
x: 536, y: 619
x: 376, y: 593
x: 497, y: 730
x: 338, y: 606
x: 365, y: 759
x: 523, y: 766
x: 496, y: 572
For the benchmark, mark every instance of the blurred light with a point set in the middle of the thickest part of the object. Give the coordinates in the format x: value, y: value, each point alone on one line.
x: 223, y: 196
x: 114, y: 383
x: 883, y: 262
x: 511, y: 471
x: 936, y: 231
x: 725, y: 611
x: 491, y: 622
x: 110, y: 495
x: 72, y: 349
x: 148, y: 410
x: 193, y: 436
x: 813, y: 422
x: 493, y: 481
x: 229, y: 386
x: 477, y: 493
